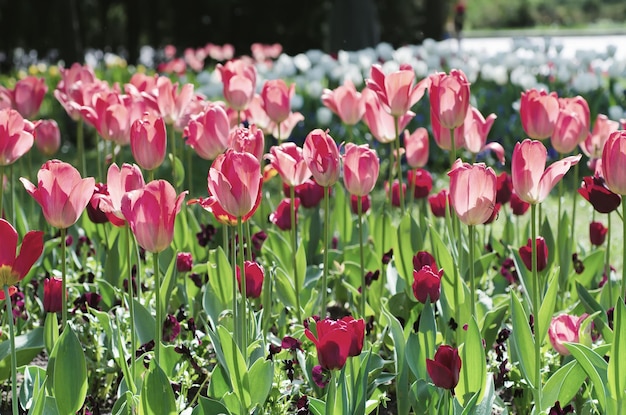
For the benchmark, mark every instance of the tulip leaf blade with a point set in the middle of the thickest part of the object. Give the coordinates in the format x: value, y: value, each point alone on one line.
x: 407, y: 242
x: 70, y: 373
x: 261, y: 373
x: 341, y: 217
x: 617, y: 364
x: 523, y: 342
x: 208, y: 406
x: 402, y: 376
x: 594, y: 308
x: 157, y: 396
x: 235, y: 366
x: 473, y: 367
x: 547, y: 306
x: 144, y: 322
x: 563, y: 385
x: 595, y: 367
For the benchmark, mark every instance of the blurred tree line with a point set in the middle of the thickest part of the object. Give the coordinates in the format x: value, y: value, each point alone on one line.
x: 64, y: 29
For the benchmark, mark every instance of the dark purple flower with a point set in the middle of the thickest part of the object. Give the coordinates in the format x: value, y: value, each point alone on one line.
x: 171, y: 329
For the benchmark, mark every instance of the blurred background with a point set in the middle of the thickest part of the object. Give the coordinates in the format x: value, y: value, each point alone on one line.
x: 64, y: 29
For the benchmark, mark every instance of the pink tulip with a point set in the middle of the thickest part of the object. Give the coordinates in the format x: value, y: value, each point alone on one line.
x: 276, y: 97
x: 27, y: 95
x: 119, y: 182
x: 208, y: 133
x: 148, y: 141
x: 382, y: 125
x: 61, y: 192
x: 47, y: 137
x: 16, y: 136
x: 110, y: 117
x: 579, y: 106
x: 472, y: 192
x: 614, y: 162
x: 151, y: 212
x: 539, y: 111
x: 396, y: 91
x: 572, y: 125
x: 476, y: 129
x: 76, y: 88
x: 321, y: 155
x: 442, y: 135
x: 289, y: 162
x: 565, y: 328
x: 346, y: 102
x: 417, y: 146
x: 15, y: 267
x: 594, y: 143
x: 248, y: 140
x: 172, y: 103
x: 531, y: 180
x: 239, y: 79
x: 449, y: 98
x: 235, y: 181
x: 360, y: 169
x: 283, y: 130
x: 255, y: 114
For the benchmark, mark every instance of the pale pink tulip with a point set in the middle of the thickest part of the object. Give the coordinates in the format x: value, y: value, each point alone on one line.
x: 416, y: 145
x: 276, y: 97
x: 360, y: 169
x: 283, y: 130
x: 565, y: 328
x: 449, y: 98
x: 396, y: 91
x: 47, y: 137
x: 172, y: 102
x: 614, y: 162
x: 27, y: 95
x: 61, y: 192
x: 119, y: 182
x: 382, y: 125
x: 16, y: 136
x: 476, y: 129
x: 321, y: 155
x: 248, y: 140
x: 239, y: 79
x: 15, y: 266
x: 208, y: 133
x: 289, y: 162
x: 594, y: 143
x: 538, y: 111
x: 531, y: 180
x: 568, y: 130
x: 255, y: 114
x: 442, y: 135
x: 148, y: 141
x: 346, y: 102
x: 472, y: 192
x: 109, y: 116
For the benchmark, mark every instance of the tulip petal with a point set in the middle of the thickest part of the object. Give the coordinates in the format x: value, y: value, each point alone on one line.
x: 9, y: 243
x: 554, y: 173
x: 30, y: 251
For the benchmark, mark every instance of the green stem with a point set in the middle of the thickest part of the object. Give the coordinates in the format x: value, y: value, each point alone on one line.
x: 100, y: 160
x: 189, y: 168
x: 248, y: 242
x: 397, y: 141
x: 294, y: 247
x: 2, y: 191
x: 362, y: 258
x: 138, y: 273
x: 63, y: 280
x: 244, y: 301
x: 233, y: 262
x: 131, y: 309
x: 390, y: 176
x: 607, y: 264
x: 150, y: 175
x: 11, y: 181
x: 172, y: 138
x: 472, y: 237
x: 623, y: 251
x: 9, y: 311
x: 326, y: 247
x: 159, y: 317
x: 574, y: 196
x: 536, y: 299
x: 80, y: 146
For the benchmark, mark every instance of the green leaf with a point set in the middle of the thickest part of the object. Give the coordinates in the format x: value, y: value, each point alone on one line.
x: 261, y: 373
x: 341, y: 218
x: 178, y: 170
x: 408, y: 241
x: 546, y: 310
x: 473, y: 368
x: 399, y: 343
x: 235, y: 366
x: 563, y: 385
x: 317, y: 406
x: 492, y: 321
x: 523, y: 343
x: 167, y: 285
x: 181, y: 231
x: 594, y: 308
x: 617, y: 363
x: 285, y: 289
x: 144, y: 323
x: 33, y: 383
x: 27, y: 347
x: 208, y: 406
x: 157, y: 396
x: 51, y: 331
x: 383, y: 232
x: 70, y: 373
x: 595, y: 367
x: 421, y: 346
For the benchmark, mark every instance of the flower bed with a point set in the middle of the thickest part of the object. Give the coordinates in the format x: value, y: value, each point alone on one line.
x: 386, y: 265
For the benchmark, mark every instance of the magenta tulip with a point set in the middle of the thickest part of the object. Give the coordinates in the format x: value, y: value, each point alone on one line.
x: 472, y: 192
x: 239, y: 80
x: 449, y: 98
x: 16, y: 136
x: 565, y: 328
x: 47, y: 137
x: 321, y: 155
x: 614, y: 162
x: 276, y: 97
x: 416, y: 146
x: 209, y: 132
x: 13, y: 268
x: 119, y: 182
x: 289, y: 162
x: 148, y: 141
x: 52, y: 295
x: 539, y: 112
x: 27, y: 95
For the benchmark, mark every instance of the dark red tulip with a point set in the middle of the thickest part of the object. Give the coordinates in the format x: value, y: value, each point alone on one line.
x: 423, y: 258
x: 597, y: 233
x: 445, y: 368
x: 395, y: 192
x: 366, y: 202
x: 427, y: 283
x: 504, y: 188
x: 438, y: 203
x: 281, y: 217
x: 593, y: 188
x: 255, y: 274
x: 494, y: 213
x: 422, y: 182
x: 52, y: 298
x: 525, y: 252
x: 184, y: 262
x: 310, y: 193
x: 518, y: 206
x: 337, y: 340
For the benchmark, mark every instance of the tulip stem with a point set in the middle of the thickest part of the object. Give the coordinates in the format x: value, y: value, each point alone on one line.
x: 326, y: 246
x: 80, y: 146
x: 131, y: 310
x: 12, y: 193
x: 472, y: 247
x: 173, y: 147
x: 359, y: 204
x: 621, y: 294
x: 63, y: 280
x: 248, y: 242
x: 536, y: 302
x: 9, y: 311
x: 233, y: 262
x: 1, y: 191
x: 607, y: 264
x: 189, y: 167
x: 159, y: 319
x: 294, y: 247
x: 398, y: 158
x: 242, y: 278
x: 100, y: 162
x: 574, y: 196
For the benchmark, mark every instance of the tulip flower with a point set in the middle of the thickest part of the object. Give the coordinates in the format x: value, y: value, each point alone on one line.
x: 256, y: 115
x: 110, y: 116
x: 247, y: 140
x: 594, y: 190
x: 539, y: 112
x: 569, y: 132
x: 337, y: 340
x: 148, y: 141
x: 254, y: 274
x: 442, y: 135
x: 321, y: 155
x: 518, y: 206
x: 422, y: 259
x: 614, y: 162
x: 283, y: 130
x: 276, y: 97
x: 119, y: 182
x: 475, y: 131
x: 239, y: 79
x: 366, y: 202
x: 445, y: 368
x: 525, y: 252
x: 310, y: 193
x: 394, y: 192
x: 171, y: 102
x: 209, y: 132
x: 184, y: 262
x: 421, y: 182
x: 472, y: 192
x: 95, y: 214
x: 416, y: 145
x: 438, y: 203
x: 360, y: 169
x: 427, y: 283
x: 594, y: 143
x: 288, y: 160
x: 346, y: 102
x: 13, y: 268
x: 27, y: 95
x: 52, y: 298
x: 504, y: 188
x: 531, y: 180
x: 449, y: 98
x: 597, y: 233
x: 566, y: 328
x: 281, y: 217
x: 47, y: 137
x: 381, y: 124
x: 16, y: 136
x: 397, y: 91
x: 61, y: 192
